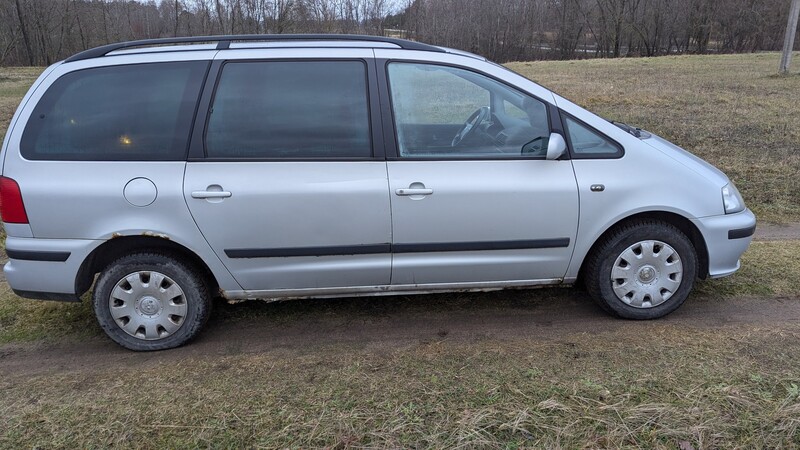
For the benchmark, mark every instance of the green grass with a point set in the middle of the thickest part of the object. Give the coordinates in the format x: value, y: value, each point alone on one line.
x: 729, y: 109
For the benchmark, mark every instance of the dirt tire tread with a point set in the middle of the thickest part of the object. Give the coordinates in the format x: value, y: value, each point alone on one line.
x: 199, y: 303
x: 618, y: 236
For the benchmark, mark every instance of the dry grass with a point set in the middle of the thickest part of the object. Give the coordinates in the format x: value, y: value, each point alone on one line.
x: 14, y: 83
x: 730, y: 110
x: 713, y: 389
x: 654, y: 385
x: 768, y: 269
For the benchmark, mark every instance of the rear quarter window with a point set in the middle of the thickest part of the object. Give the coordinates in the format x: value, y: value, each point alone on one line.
x: 119, y: 113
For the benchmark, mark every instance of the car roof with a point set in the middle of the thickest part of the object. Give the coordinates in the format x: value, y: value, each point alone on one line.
x: 247, y: 41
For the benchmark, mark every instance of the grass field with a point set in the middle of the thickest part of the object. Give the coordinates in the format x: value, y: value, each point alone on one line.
x: 14, y: 83
x: 768, y: 269
x: 465, y: 370
x: 731, y: 110
x: 717, y: 388
x: 690, y: 380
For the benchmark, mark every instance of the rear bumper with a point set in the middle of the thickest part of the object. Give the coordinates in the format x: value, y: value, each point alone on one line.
x: 727, y: 237
x: 48, y: 296
x: 46, y: 269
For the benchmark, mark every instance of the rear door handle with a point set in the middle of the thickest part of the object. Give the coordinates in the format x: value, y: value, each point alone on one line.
x: 413, y: 191
x: 210, y: 194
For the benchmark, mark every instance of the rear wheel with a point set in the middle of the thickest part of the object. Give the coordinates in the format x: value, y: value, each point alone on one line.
x: 642, y: 270
x: 151, y: 301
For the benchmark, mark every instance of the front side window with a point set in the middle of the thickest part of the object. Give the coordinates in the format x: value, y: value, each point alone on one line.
x: 290, y: 109
x: 588, y: 143
x: 119, y: 113
x: 443, y: 111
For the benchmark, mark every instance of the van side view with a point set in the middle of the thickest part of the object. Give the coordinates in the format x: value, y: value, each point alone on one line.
x: 165, y: 172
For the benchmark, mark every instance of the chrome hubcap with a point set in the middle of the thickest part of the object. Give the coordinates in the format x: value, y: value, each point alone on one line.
x: 647, y: 274
x: 148, y: 305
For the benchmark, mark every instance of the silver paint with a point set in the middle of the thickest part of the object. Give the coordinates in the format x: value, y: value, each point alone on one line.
x: 77, y: 206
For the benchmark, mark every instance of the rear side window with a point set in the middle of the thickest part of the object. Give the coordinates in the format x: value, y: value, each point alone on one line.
x: 290, y: 109
x: 120, y: 113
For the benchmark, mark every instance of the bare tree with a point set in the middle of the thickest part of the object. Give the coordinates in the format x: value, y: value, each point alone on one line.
x: 42, y: 31
x: 23, y: 26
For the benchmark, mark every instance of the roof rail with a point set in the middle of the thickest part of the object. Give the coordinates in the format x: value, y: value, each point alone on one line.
x: 224, y: 42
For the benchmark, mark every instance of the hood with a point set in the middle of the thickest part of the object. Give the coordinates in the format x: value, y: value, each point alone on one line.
x: 687, y: 159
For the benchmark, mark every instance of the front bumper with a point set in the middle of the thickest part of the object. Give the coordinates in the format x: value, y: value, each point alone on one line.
x: 727, y: 237
x: 46, y: 268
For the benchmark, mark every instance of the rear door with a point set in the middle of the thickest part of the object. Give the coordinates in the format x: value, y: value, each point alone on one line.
x: 473, y: 198
x: 285, y: 182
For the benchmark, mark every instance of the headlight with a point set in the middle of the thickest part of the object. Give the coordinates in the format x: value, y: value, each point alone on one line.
x: 732, y: 199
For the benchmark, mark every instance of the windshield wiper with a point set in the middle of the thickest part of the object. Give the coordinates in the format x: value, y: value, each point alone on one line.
x: 638, y: 132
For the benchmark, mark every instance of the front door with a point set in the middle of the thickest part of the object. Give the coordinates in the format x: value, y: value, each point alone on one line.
x: 472, y: 197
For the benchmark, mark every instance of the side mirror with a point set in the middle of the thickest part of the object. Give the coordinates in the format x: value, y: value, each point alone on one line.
x: 556, y: 146
x: 536, y: 147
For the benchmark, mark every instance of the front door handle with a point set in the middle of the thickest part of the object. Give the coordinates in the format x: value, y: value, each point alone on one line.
x: 414, y: 191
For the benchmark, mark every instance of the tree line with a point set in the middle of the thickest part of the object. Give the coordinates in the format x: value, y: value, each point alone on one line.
x: 40, y: 32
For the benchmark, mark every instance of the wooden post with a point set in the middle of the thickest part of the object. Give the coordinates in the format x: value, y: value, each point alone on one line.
x: 788, y: 41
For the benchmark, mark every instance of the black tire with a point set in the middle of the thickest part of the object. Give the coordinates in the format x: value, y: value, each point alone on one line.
x: 601, y: 262
x: 196, y: 296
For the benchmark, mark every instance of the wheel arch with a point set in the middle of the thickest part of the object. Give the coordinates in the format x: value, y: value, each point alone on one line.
x: 680, y: 222
x: 119, y: 246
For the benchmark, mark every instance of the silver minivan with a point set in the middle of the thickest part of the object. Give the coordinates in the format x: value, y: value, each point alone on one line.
x: 167, y: 172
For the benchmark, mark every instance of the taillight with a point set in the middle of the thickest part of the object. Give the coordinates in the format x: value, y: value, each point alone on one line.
x: 12, y: 210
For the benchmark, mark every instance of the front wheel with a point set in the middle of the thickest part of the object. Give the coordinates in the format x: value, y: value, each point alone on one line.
x: 642, y: 270
x: 151, y: 301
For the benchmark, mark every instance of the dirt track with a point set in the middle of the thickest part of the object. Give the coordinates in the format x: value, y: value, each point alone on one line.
x: 256, y: 327
x: 395, y: 321
x: 771, y: 232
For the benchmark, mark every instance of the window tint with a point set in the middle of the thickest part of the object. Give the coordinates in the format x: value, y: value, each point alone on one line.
x: 589, y: 143
x: 442, y: 111
x: 124, y: 113
x: 297, y: 109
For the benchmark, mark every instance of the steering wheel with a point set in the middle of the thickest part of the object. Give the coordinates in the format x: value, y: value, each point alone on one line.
x: 471, y: 124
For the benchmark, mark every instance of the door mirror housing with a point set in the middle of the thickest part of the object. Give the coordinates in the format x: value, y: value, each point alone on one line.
x: 556, y: 146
